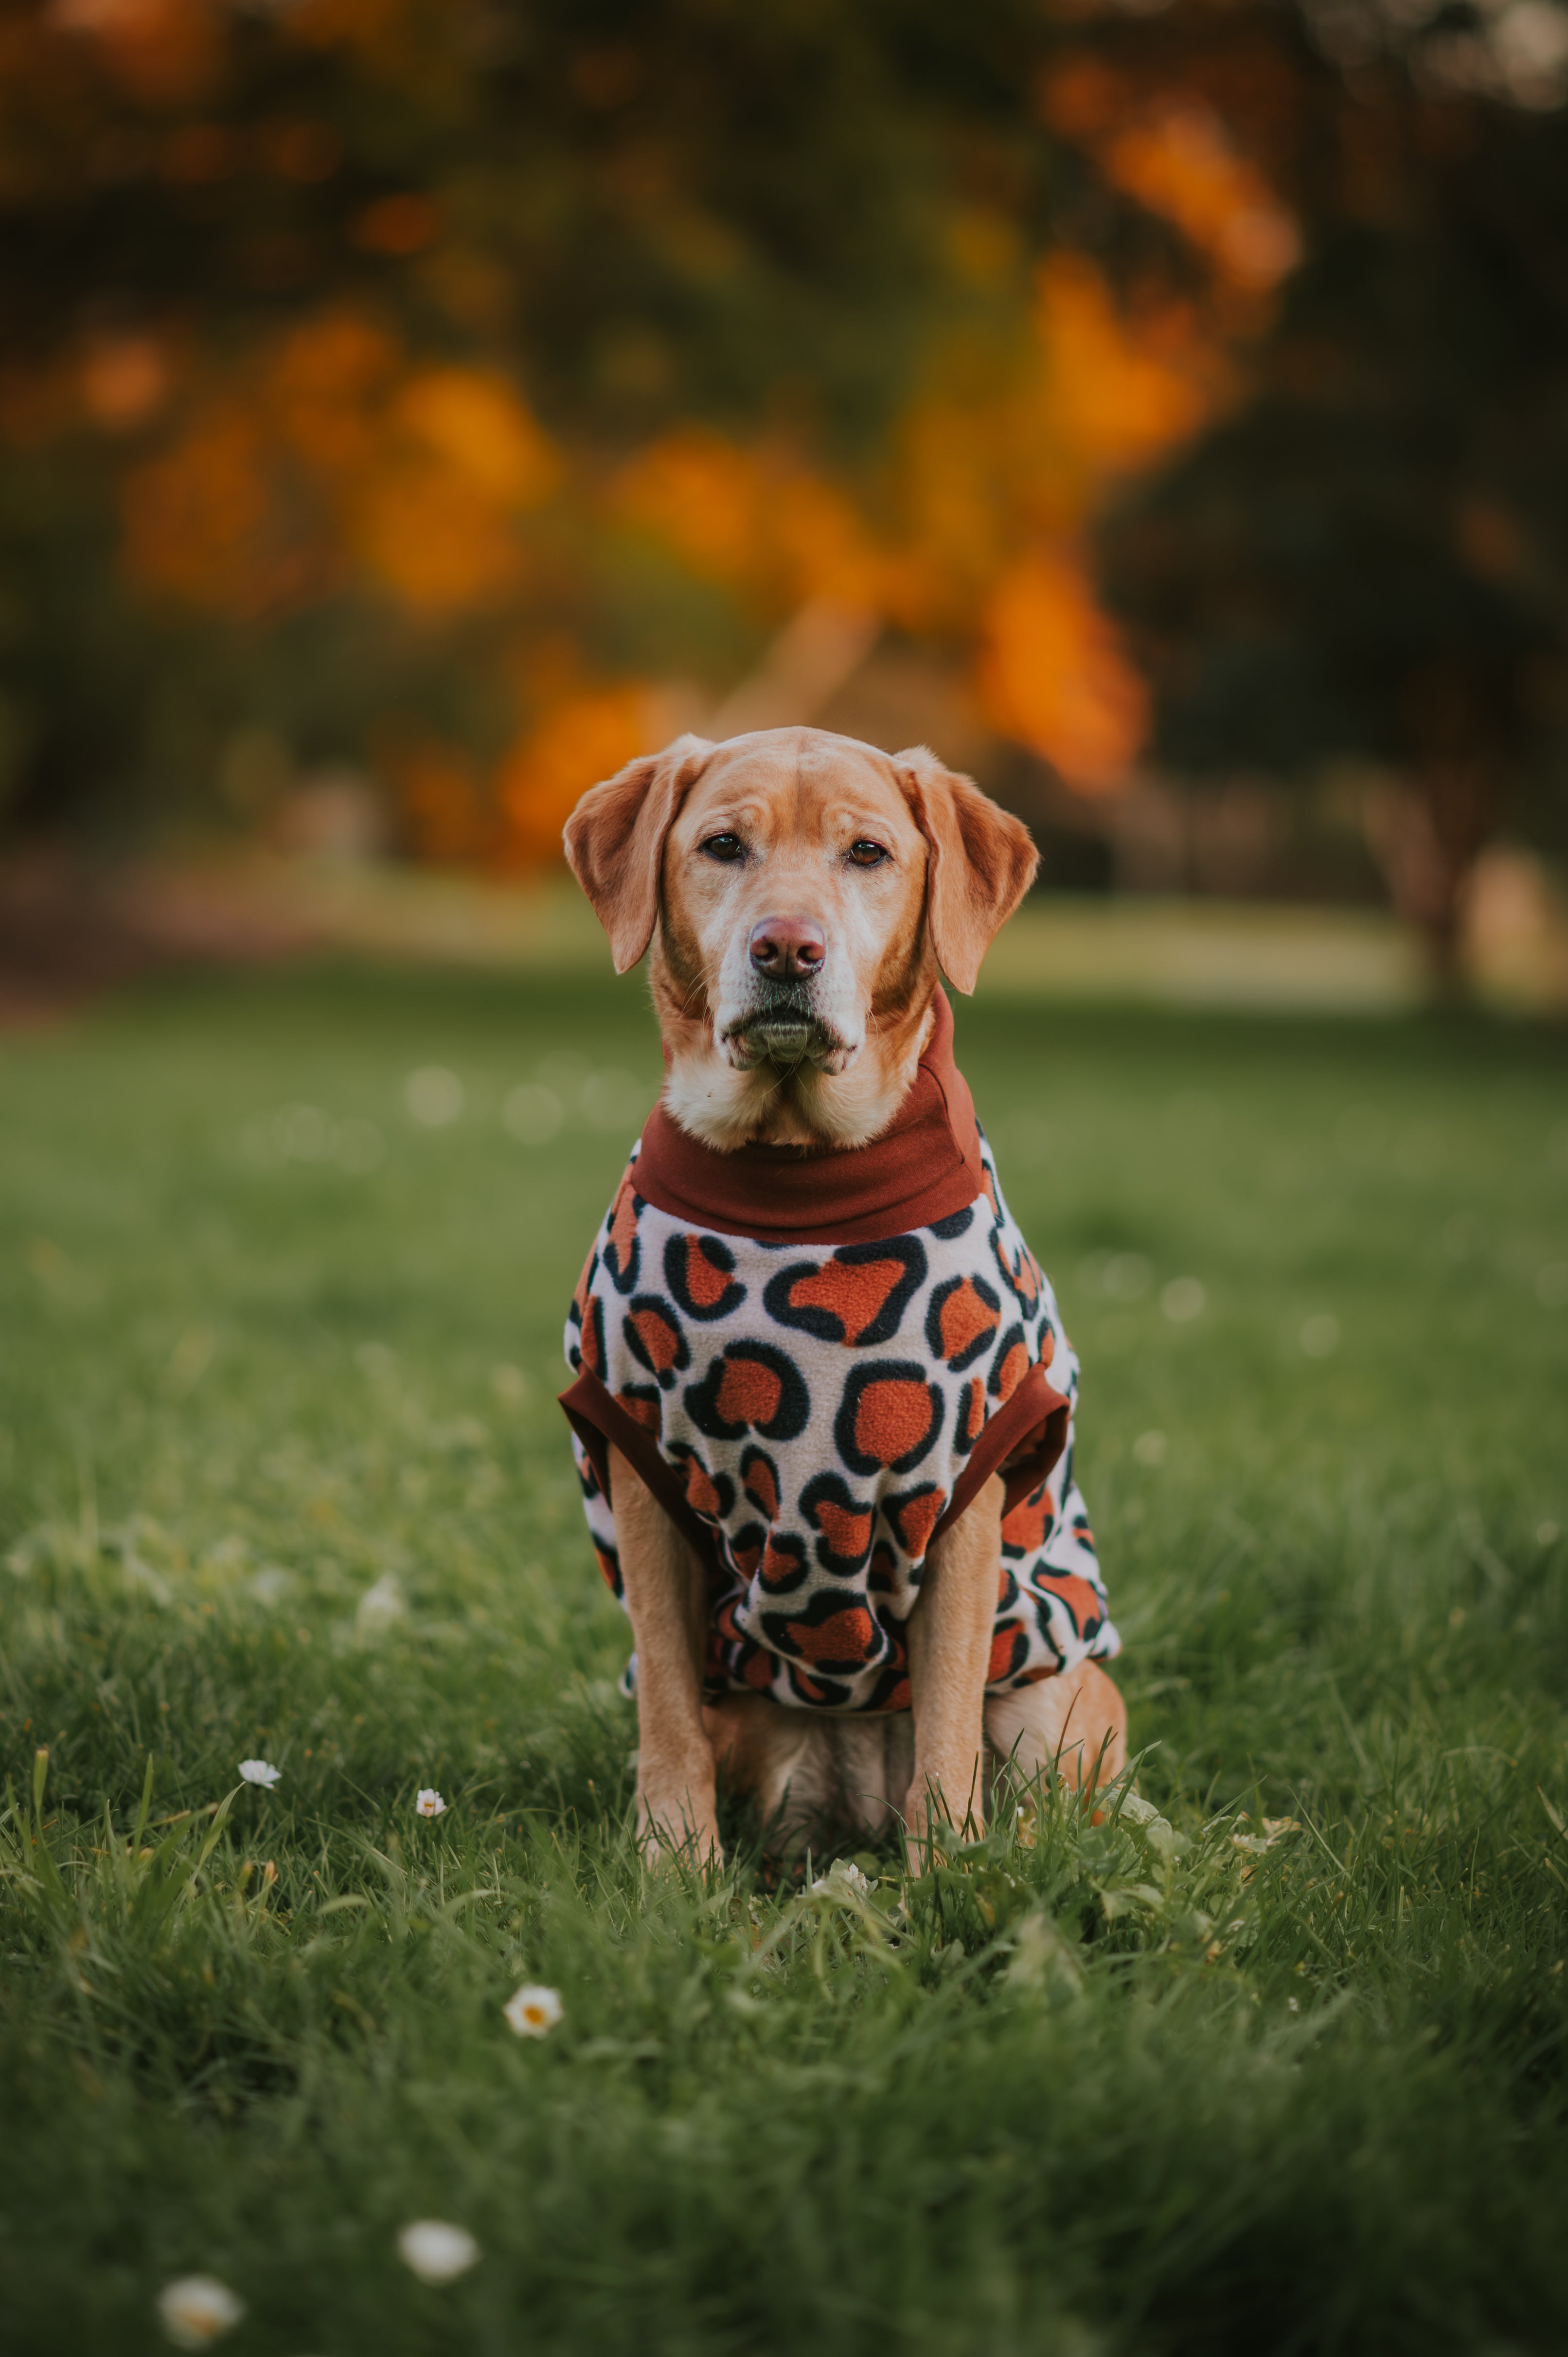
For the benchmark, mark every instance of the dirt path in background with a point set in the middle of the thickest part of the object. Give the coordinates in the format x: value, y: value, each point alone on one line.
x: 68, y: 932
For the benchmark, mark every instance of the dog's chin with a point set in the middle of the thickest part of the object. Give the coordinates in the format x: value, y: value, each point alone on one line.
x: 779, y: 1078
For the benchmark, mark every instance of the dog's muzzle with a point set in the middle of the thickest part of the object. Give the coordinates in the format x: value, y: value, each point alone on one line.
x: 781, y: 1027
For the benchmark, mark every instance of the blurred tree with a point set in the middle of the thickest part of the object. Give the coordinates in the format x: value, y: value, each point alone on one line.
x: 425, y: 379
x: 682, y: 208
x: 1366, y: 554
x: 471, y: 390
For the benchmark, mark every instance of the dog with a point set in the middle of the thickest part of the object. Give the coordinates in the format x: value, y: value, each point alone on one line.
x: 823, y: 1399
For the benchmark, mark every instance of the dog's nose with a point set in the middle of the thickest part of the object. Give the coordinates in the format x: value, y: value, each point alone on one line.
x: 787, y: 947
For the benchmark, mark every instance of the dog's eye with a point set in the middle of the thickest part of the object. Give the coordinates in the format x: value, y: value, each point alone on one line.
x: 866, y: 854
x: 724, y: 846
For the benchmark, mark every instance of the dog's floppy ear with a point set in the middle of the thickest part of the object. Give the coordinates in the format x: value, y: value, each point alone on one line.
x: 614, y: 841
x: 981, y: 862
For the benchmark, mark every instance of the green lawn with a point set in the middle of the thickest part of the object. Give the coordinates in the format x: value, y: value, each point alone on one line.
x: 281, y: 1475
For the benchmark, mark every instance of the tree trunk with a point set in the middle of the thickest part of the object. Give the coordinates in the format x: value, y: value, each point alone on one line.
x: 1425, y: 834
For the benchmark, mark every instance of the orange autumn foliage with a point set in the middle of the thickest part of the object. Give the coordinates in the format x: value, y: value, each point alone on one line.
x: 1179, y: 161
x: 1052, y: 676
x: 1176, y: 158
x: 441, y: 797
x: 328, y: 453
x: 1114, y: 390
x: 589, y: 733
x: 337, y: 462
x: 990, y: 476
x: 162, y: 50
x: 325, y: 378
x: 196, y: 519
x: 982, y: 466
x: 460, y: 461
x: 760, y: 520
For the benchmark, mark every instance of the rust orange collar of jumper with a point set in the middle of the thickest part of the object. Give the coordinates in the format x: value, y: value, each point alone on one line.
x: 925, y: 1166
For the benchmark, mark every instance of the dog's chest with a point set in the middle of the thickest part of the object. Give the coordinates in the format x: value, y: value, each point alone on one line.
x: 819, y: 1406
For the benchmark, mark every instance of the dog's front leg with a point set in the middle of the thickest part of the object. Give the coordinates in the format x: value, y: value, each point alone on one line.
x: 665, y: 1596
x: 950, y: 1633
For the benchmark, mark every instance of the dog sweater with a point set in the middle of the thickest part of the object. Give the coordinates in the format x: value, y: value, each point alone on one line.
x: 816, y: 1359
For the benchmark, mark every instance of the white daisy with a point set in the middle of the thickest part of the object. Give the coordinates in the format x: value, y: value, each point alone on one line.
x: 380, y: 1606
x: 843, y: 1879
x: 534, y: 2012
x: 196, y: 2310
x: 260, y: 1771
x: 437, y: 2252
x: 429, y: 1803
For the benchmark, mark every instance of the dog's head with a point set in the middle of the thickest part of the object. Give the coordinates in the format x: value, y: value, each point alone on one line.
x: 801, y: 891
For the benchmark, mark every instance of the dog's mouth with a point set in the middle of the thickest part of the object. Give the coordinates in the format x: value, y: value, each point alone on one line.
x: 783, y: 1029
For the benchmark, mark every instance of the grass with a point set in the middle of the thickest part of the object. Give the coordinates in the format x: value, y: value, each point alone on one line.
x: 281, y: 1474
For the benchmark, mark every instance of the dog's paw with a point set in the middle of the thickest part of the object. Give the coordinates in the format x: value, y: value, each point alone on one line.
x: 676, y: 1833
x: 660, y: 1852
x: 931, y: 1832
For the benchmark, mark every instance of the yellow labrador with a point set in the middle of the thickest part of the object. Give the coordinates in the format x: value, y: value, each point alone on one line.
x: 802, y: 893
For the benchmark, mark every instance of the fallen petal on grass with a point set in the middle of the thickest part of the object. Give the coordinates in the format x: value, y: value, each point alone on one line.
x: 534, y: 2012
x: 435, y: 2252
x: 260, y: 1771
x: 196, y: 2310
x: 380, y: 1606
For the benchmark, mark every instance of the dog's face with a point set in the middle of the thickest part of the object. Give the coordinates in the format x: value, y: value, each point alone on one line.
x: 793, y: 884
x: 801, y: 891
